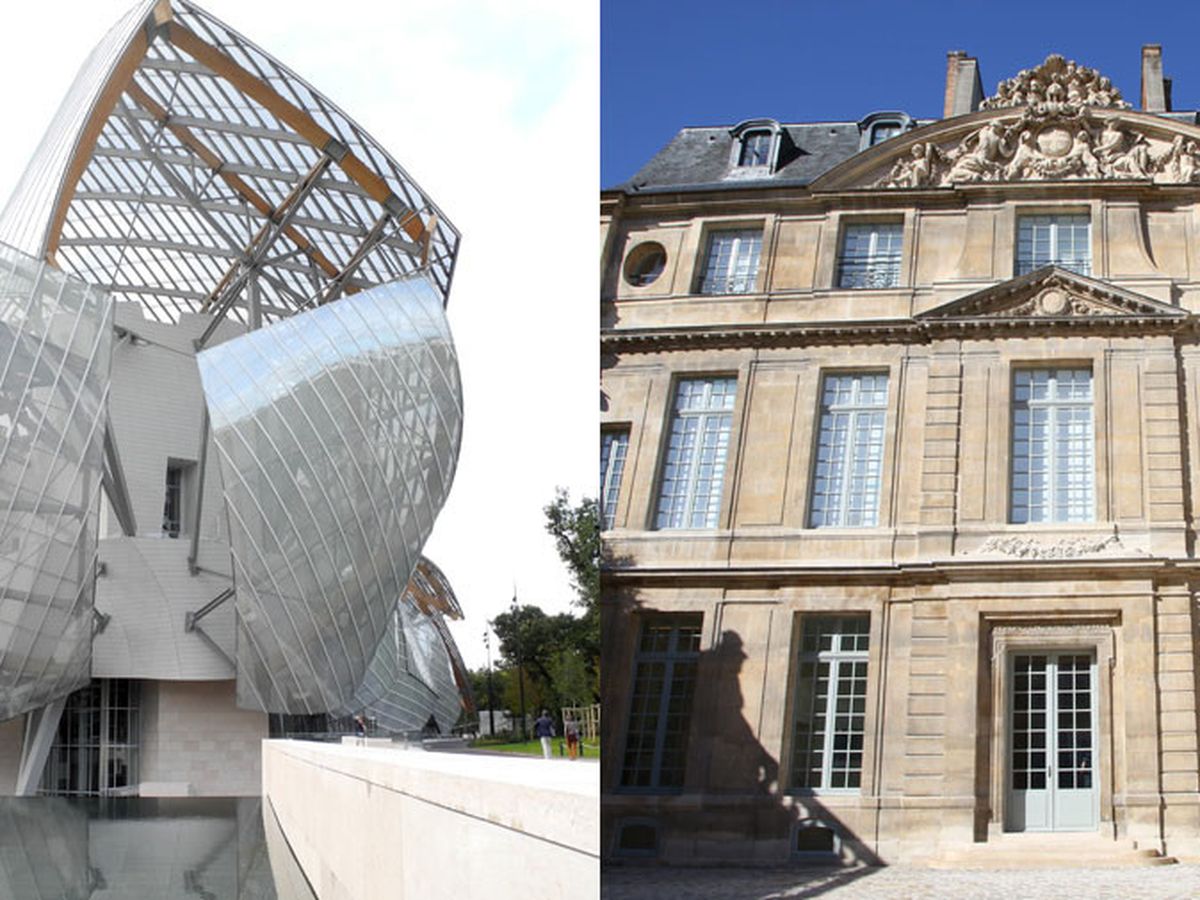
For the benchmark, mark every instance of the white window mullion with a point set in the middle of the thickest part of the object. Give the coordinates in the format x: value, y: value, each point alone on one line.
x: 831, y: 697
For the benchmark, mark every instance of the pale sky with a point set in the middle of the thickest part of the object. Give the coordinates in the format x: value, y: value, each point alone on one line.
x: 492, y: 106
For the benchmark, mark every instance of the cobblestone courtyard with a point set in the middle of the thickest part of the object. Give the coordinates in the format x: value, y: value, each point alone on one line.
x: 901, y: 883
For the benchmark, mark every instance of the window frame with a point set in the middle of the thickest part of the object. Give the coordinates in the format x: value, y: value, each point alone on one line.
x: 670, y: 657
x: 873, y: 257
x: 751, y: 128
x: 1052, y: 440
x: 762, y: 139
x: 848, y: 454
x: 739, y: 232
x: 835, y: 657
x: 713, y: 520
x: 1054, y: 219
x: 610, y: 483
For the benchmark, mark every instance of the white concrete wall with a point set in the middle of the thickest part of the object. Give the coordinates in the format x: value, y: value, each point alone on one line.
x: 196, y: 741
x: 371, y: 823
x: 147, y: 591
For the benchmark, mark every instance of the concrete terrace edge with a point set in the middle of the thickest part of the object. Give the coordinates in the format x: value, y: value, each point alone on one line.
x: 367, y: 822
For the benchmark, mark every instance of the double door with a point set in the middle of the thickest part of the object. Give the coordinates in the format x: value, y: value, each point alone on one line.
x: 1052, y: 772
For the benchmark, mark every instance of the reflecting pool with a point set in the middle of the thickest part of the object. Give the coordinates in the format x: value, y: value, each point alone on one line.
x: 54, y: 848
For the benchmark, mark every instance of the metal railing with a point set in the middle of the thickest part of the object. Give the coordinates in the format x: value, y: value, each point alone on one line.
x: 878, y: 271
x: 1080, y: 266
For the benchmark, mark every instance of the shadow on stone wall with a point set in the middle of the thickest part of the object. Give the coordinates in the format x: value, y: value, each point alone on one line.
x: 732, y: 810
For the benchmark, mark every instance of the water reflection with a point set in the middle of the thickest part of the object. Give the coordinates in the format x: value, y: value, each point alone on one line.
x: 53, y: 848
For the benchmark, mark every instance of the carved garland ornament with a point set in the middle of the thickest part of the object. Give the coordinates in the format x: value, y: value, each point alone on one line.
x: 1056, y: 137
x: 1057, y: 303
x: 1067, y: 548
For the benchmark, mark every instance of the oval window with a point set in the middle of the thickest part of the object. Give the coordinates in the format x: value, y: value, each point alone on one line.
x: 645, y: 263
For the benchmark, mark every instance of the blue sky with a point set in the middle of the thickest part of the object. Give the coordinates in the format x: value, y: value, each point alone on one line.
x: 666, y: 65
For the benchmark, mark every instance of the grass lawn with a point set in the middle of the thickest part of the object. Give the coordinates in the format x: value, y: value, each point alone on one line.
x: 534, y: 748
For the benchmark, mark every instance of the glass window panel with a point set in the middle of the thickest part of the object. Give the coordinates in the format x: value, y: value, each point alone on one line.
x: 831, y: 674
x: 756, y: 149
x: 731, y: 266
x: 847, y: 472
x: 613, y: 447
x: 1060, y: 240
x: 660, y: 708
x: 693, y: 471
x: 1053, y: 472
x: 870, y: 256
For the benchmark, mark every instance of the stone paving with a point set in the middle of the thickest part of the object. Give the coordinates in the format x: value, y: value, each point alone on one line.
x: 900, y: 883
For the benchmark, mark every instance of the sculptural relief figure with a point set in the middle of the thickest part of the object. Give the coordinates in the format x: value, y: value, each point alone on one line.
x: 1057, y: 84
x: 982, y: 156
x: 917, y: 169
x: 1050, y: 142
x: 1121, y: 153
x: 1083, y: 161
x: 1186, y: 165
x: 1024, y: 163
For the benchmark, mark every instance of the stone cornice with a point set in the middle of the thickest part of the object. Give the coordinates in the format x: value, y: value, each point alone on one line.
x: 905, y: 331
x: 942, y: 571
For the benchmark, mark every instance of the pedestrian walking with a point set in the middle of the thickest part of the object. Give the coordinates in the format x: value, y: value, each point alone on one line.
x: 543, y: 729
x: 571, y: 731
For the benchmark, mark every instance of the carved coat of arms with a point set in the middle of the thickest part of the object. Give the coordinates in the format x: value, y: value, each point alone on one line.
x: 1058, y: 135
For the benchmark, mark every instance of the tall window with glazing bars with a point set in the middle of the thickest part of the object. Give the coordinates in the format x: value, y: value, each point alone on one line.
x: 831, y: 702
x: 870, y: 256
x: 1053, y: 455
x: 613, y: 447
x: 1063, y: 241
x: 848, y: 466
x: 731, y: 264
x: 661, y: 705
x: 693, y: 472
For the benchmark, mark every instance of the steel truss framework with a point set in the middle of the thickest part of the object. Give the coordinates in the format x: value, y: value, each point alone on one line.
x: 186, y: 165
x: 189, y: 172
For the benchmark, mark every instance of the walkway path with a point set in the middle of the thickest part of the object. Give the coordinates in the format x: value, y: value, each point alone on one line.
x: 900, y: 883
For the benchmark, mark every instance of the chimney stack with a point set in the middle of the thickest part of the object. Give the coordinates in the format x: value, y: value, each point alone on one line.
x: 1156, y: 90
x: 964, y: 93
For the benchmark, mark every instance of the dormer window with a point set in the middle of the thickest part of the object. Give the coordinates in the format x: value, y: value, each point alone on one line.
x: 879, y: 126
x: 881, y: 131
x: 755, y: 150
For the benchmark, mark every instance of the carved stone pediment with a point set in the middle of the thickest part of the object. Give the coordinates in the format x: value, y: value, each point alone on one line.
x: 1053, y: 293
x: 1057, y: 80
x: 1051, y: 141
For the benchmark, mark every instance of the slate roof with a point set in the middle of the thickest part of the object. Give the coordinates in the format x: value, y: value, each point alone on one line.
x: 698, y: 158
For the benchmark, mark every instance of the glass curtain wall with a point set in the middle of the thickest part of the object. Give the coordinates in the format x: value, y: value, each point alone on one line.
x: 95, y: 752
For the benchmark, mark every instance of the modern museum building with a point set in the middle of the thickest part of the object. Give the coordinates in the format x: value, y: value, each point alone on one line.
x: 230, y: 412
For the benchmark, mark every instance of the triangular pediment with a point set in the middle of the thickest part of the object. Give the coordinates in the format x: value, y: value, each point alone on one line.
x: 1052, y: 293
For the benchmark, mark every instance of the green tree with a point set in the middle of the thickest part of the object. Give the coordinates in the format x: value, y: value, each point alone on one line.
x: 571, y: 680
x: 576, y: 531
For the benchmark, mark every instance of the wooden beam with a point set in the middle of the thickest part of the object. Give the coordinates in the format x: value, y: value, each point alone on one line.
x: 121, y: 77
x: 284, y: 110
x: 214, y: 162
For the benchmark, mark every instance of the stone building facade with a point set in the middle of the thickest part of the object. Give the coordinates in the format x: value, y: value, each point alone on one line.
x: 899, y: 433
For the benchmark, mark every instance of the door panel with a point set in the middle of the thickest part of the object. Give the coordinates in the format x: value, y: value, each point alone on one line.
x: 1052, y: 743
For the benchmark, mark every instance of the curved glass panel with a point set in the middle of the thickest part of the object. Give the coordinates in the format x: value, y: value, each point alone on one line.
x: 416, y: 672
x: 338, y: 431
x: 55, y: 346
